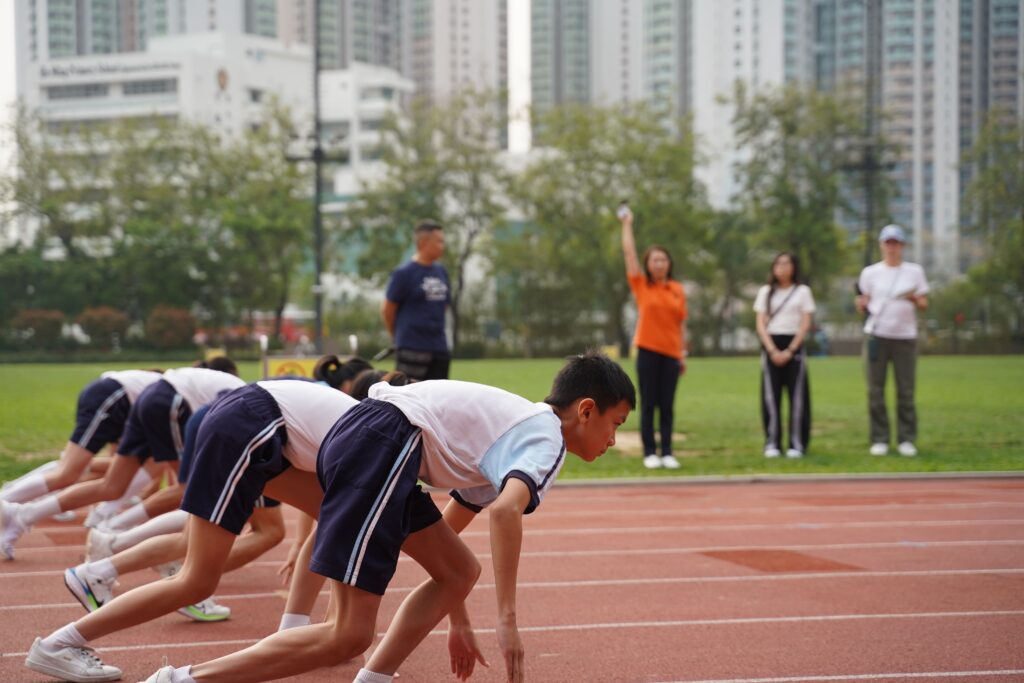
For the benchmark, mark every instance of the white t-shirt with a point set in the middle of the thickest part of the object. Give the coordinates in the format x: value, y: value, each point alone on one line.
x: 785, y: 320
x: 309, y: 411
x: 476, y: 436
x: 891, y: 315
x: 199, y: 386
x: 133, y: 381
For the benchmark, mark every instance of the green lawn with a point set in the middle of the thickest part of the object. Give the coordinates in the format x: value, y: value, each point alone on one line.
x: 970, y: 412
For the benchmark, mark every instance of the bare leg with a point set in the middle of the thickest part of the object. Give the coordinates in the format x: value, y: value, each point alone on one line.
x: 306, y: 585
x: 74, y: 461
x: 453, y: 572
x: 208, y: 548
x: 297, y: 488
x: 165, y: 500
x: 152, y: 551
x: 267, y: 531
x: 289, y: 653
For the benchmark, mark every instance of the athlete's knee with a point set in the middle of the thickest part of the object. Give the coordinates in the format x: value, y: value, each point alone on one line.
x: 193, y: 586
x: 269, y: 524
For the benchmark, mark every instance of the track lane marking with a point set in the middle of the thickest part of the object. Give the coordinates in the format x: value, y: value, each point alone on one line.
x: 656, y: 581
x: 606, y: 626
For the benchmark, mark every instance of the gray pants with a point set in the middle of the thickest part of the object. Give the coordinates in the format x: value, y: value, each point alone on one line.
x: 902, y: 353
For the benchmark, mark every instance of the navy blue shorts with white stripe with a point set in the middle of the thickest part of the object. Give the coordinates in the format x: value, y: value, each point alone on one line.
x: 156, y: 424
x: 368, y: 466
x: 103, y: 408
x: 238, y: 450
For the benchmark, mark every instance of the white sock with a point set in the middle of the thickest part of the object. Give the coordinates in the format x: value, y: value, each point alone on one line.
x: 140, y: 481
x: 39, y: 509
x: 104, y: 569
x: 168, y: 523
x: 183, y: 674
x: 42, y: 469
x: 63, y: 637
x: 289, y: 620
x: 132, y: 517
x: 367, y: 676
x: 29, y: 487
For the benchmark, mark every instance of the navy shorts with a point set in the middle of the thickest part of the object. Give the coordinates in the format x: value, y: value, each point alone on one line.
x: 156, y: 424
x: 103, y: 408
x: 368, y: 466
x: 238, y: 450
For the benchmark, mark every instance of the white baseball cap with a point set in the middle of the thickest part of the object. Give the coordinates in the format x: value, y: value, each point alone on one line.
x: 892, y: 232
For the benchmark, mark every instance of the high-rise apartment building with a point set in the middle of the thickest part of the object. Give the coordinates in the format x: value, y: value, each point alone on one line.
x: 451, y: 45
x: 933, y: 69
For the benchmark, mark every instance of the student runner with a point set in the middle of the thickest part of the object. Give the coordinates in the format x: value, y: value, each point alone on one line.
x: 263, y: 436
x: 154, y: 428
x: 495, y: 449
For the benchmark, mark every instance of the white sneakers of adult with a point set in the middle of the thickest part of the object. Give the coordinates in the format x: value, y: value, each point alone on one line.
x: 11, y: 528
x: 879, y: 449
x: 164, y: 674
x: 794, y: 453
x: 771, y: 452
x: 907, y: 449
x: 669, y: 462
x: 79, y: 664
x: 207, y: 610
x: 98, y: 517
x: 88, y: 588
x: 652, y: 462
x: 99, y: 545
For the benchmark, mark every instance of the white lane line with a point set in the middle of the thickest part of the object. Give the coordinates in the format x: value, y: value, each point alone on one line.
x: 799, y: 526
x: 675, y: 550
x: 862, y: 677
x: 657, y: 581
x: 611, y: 626
x: 717, y: 510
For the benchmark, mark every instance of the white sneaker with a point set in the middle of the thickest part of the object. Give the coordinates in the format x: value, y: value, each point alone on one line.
x: 907, y: 449
x: 879, y: 449
x: 794, y: 453
x: 207, y: 610
x: 11, y: 528
x: 652, y: 462
x: 771, y: 452
x: 99, y: 545
x: 79, y: 664
x: 164, y: 675
x: 669, y: 462
x: 66, y: 516
x: 89, y: 589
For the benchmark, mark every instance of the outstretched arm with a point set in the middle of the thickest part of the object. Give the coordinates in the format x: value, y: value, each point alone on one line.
x: 629, y: 245
x: 506, y: 542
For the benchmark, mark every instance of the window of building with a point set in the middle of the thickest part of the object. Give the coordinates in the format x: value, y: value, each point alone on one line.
x: 151, y: 87
x: 75, y: 92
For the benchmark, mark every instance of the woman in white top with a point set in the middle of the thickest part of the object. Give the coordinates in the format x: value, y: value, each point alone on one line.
x: 784, y: 308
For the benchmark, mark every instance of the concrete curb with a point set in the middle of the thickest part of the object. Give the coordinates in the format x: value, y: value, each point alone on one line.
x: 784, y: 478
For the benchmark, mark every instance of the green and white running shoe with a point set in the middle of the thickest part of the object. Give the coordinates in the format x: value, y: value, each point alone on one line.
x: 89, y: 589
x: 207, y: 610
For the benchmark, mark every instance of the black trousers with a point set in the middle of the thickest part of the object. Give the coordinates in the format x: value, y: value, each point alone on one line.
x: 422, y: 365
x: 793, y: 377
x: 658, y: 375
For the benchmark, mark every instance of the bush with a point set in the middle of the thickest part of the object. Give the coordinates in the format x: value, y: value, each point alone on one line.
x: 40, y: 328
x: 103, y: 324
x: 170, y: 328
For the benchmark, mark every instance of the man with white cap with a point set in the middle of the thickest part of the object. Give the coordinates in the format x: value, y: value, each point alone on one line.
x: 891, y: 291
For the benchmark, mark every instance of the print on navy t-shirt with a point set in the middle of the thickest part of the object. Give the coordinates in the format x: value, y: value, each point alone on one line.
x: 422, y: 294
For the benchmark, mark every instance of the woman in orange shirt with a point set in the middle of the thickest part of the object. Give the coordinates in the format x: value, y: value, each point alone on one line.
x: 660, y: 341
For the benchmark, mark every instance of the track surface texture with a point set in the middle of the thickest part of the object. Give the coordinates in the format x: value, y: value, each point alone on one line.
x: 896, y: 580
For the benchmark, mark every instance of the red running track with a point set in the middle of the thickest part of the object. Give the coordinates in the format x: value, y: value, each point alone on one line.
x: 894, y: 580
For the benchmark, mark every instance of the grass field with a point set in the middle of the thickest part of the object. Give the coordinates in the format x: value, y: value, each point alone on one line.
x: 971, y: 415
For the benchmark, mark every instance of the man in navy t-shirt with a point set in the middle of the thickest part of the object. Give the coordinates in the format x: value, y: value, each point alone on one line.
x: 414, y: 308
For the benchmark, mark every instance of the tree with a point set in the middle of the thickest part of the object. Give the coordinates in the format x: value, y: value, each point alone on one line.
x: 995, y: 210
x: 440, y: 162
x: 563, y: 266
x: 796, y: 144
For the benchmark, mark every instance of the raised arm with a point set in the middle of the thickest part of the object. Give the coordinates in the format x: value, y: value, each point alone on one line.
x: 506, y: 542
x: 629, y: 245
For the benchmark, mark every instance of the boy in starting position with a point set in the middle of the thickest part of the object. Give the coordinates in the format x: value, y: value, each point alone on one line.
x: 493, y: 449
